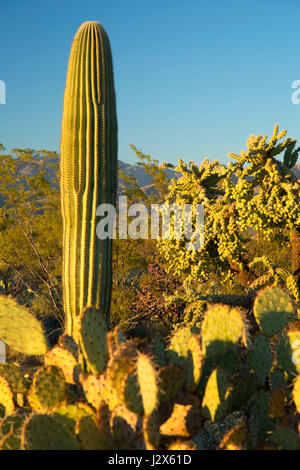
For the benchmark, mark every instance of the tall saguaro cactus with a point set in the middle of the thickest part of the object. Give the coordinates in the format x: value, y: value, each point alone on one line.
x: 88, y: 172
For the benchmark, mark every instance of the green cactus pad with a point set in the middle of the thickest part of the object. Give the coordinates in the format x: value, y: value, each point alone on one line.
x: 273, y: 309
x: 171, y: 379
x: 194, y: 363
x: 48, y: 389
x: 68, y: 343
x: 147, y: 379
x: 285, y: 439
x: 296, y: 393
x: 20, y: 329
x: 177, y: 351
x: 93, y: 387
x: 44, y: 432
x: 118, y: 367
x: 259, y: 422
x: 240, y: 390
x: 131, y: 393
x: 222, y: 328
x: 277, y: 378
x: 159, y: 351
x: 260, y: 357
x: 68, y: 414
x: 6, y: 396
x: 14, y: 376
x: 114, y: 339
x: 288, y: 352
x: 151, y: 430
x: 214, y: 406
x: 103, y: 417
x: 90, y: 436
x: 92, y: 337
x: 126, y: 427
x: 65, y: 360
x: 230, y: 361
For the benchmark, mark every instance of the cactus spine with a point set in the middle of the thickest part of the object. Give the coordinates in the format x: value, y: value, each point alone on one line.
x: 88, y: 172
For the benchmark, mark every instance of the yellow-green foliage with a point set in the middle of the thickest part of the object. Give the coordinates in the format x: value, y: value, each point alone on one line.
x: 201, y: 185
x: 267, y: 193
x: 258, y: 192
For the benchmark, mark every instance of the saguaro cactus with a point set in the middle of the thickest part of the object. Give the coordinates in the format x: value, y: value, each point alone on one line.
x: 88, y: 172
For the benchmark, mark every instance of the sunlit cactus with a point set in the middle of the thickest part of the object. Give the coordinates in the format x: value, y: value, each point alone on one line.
x: 88, y: 172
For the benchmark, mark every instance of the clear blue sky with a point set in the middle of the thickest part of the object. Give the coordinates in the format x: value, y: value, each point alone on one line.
x: 193, y: 78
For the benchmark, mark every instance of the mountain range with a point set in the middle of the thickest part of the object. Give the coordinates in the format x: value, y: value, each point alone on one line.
x: 143, y: 179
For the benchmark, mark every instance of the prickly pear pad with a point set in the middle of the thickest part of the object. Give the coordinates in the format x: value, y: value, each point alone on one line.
x: 44, y: 432
x: 222, y: 328
x: 92, y: 337
x: 6, y: 396
x: 273, y: 309
x: 147, y: 378
x: 20, y: 329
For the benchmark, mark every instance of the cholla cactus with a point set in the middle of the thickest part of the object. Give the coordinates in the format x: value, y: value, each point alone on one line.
x: 257, y: 192
x: 267, y: 193
x: 206, y: 185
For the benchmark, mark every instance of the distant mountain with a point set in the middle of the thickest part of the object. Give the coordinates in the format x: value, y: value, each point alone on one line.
x: 144, y: 181
x: 130, y: 169
x: 296, y: 170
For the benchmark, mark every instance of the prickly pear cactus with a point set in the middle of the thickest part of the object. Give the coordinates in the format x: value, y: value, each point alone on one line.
x: 273, y: 309
x: 288, y: 352
x: 92, y: 338
x: 47, y: 390
x: 28, y: 336
x: 260, y: 357
x: 222, y: 329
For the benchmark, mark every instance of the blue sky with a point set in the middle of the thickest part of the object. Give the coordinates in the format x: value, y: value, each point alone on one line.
x: 193, y: 78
